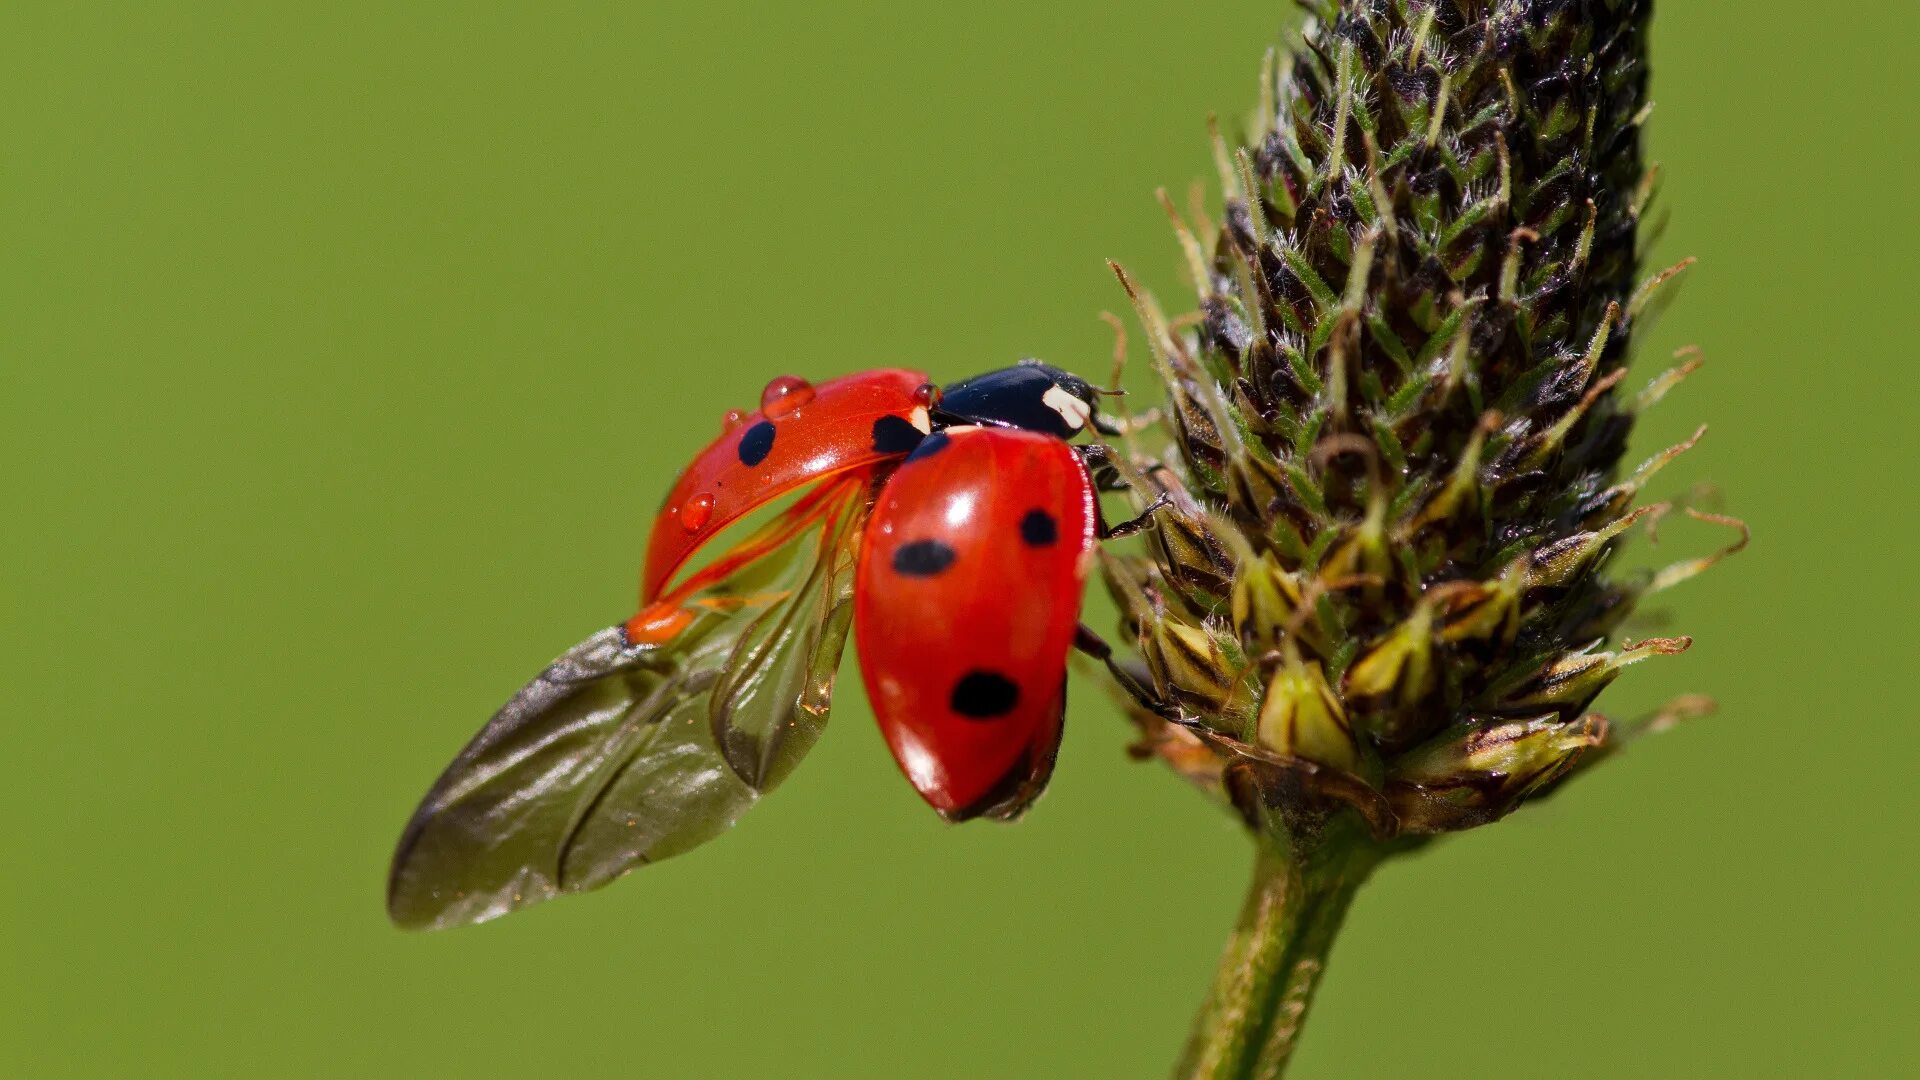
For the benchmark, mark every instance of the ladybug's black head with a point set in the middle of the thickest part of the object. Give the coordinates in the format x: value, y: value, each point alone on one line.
x: 1030, y: 395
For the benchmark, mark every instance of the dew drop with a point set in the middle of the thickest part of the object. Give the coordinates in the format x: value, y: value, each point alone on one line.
x: 784, y: 395
x: 696, y: 512
x: 733, y: 419
x: 926, y: 395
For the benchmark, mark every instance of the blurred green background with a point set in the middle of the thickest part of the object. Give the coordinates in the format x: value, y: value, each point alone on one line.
x: 348, y: 348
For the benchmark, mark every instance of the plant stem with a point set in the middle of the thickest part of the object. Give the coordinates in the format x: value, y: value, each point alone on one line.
x: 1272, y: 964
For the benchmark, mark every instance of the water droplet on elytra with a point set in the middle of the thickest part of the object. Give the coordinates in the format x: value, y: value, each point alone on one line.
x: 927, y: 395
x: 784, y: 395
x: 733, y: 419
x: 696, y: 512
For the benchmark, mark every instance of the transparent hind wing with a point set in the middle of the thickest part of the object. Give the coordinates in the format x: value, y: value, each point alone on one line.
x: 620, y: 754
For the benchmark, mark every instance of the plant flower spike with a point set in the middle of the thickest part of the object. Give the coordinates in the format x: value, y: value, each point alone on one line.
x: 1376, y: 609
x: 1378, y: 505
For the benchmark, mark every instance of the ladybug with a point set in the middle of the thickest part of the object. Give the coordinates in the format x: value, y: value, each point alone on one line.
x: 953, y: 527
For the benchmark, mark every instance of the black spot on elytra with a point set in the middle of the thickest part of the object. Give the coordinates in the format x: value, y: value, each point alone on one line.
x: 756, y: 444
x: 922, y: 558
x: 984, y: 695
x: 893, y: 435
x: 1038, y: 529
x: 929, y: 446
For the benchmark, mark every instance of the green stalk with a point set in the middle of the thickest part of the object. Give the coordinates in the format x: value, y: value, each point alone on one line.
x: 1272, y: 964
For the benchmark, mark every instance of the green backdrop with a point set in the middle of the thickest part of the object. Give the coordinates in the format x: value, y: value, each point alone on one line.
x: 347, y: 349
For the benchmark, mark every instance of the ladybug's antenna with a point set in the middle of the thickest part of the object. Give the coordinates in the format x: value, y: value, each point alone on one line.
x: 1119, y: 356
x: 1124, y: 427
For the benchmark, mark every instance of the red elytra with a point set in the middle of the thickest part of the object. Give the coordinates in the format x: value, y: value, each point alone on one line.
x: 966, y: 602
x: 842, y: 424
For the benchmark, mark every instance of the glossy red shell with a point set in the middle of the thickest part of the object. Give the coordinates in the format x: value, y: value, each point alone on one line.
x: 846, y: 423
x: 965, y: 606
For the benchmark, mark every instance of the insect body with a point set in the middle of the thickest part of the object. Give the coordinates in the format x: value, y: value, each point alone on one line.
x: 954, y: 529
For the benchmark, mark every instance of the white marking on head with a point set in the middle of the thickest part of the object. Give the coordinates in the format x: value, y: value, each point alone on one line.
x: 1071, y: 409
x: 919, y: 419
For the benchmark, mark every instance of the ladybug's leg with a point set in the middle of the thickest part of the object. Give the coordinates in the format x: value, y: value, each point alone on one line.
x: 1107, y: 476
x: 1099, y: 460
x: 1136, y: 687
x: 1140, y: 521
